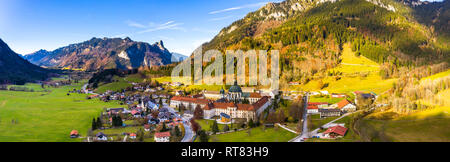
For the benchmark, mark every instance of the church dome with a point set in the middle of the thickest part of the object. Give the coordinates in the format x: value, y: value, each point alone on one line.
x: 235, y: 88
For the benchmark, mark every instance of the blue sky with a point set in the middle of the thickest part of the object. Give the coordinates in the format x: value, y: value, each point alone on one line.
x: 29, y: 25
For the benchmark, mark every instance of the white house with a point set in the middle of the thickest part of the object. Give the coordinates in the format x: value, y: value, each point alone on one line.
x: 162, y: 137
x: 324, y: 92
x: 313, y: 110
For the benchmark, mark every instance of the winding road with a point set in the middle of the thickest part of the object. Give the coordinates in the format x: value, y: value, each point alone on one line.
x: 188, y: 133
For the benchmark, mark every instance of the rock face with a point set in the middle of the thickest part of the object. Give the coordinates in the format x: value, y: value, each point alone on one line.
x: 106, y: 53
x: 14, y: 69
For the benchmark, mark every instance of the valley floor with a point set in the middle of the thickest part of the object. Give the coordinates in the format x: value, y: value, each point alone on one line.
x: 47, y: 116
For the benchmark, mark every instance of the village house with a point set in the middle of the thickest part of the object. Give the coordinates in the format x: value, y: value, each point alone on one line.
x: 335, y: 132
x: 294, y: 83
x: 162, y: 137
x: 133, y: 136
x: 100, y: 136
x: 179, y: 93
x: 371, y: 96
x: 320, y: 105
x: 324, y: 93
x: 346, y: 106
x: 329, y: 113
x: 74, y: 134
x: 312, y: 109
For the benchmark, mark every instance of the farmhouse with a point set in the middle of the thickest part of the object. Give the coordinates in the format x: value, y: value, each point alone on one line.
x: 320, y: 105
x: 162, y: 137
x: 74, y: 134
x: 133, y: 136
x: 346, y: 106
x: 335, y: 132
x: 313, y: 109
x: 371, y: 96
x: 101, y: 136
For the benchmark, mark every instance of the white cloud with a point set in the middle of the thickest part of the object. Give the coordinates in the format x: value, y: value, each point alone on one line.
x: 239, y: 7
x: 135, y: 24
x: 170, y: 25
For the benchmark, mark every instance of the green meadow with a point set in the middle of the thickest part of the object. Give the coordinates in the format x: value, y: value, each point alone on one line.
x: 258, y: 134
x: 46, y: 116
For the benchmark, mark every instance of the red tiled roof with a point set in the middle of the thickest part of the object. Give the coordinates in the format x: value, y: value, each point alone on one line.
x: 255, y: 95
x: 132, y: 135
x: 358, y: 92
x: 246, y: 107
x: 192, y: 100
x: 133, y: 112
x: 162, y: 134
x: 74, y: 132
x: 313, y: 107
x: 336, y: 129
x: 260, y: 103
x: 317, y: 103
x: 343, y: 103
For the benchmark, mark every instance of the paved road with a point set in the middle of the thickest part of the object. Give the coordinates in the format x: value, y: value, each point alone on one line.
x: 286, y: 128
x: 188, y: 133
x: 86, y: 91
x: 305, y: 132
x: 125, y: 138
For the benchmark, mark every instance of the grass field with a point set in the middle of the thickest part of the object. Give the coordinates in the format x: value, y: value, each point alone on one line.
x: 358, y: 73
x: 425, y: 126
x: 114, y: 86
x: 206, y: 125
x: 46, y: 116
x: 438, y: 75
x: 325, y: 99
x: 256, y: 135
x: 317, y: 122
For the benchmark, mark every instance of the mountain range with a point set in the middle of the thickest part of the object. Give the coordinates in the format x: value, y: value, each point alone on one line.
x: 104, y: 53
x: 14, y: 69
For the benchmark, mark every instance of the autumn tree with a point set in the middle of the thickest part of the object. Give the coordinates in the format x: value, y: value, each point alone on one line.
x: 198, y: 113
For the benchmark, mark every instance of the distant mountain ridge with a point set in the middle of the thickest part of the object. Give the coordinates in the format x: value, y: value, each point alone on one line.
x: 176, y: 57
x: 14, y: 69
x: 105, y: 53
